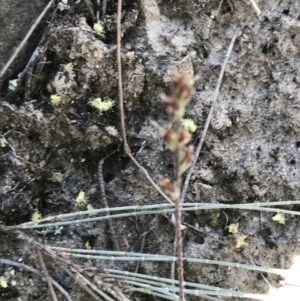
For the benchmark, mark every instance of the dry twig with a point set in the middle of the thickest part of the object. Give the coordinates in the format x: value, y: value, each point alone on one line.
x: 121, y: 108
x: 26, y: 38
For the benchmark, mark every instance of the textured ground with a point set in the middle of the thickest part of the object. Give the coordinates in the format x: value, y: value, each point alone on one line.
x: 251, y: 152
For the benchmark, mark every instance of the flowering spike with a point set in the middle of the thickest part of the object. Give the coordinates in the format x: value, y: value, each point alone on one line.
x: 173, y: 139
x: 170, y: 138
x: 182, y: 87
x: 185, y: 158
x: 170, y: 189
x: 181, y: 92
x: 183, y: 136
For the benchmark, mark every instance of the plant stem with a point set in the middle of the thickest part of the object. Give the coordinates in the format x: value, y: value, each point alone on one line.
x: 121, y: 108
x: 178, y: 237
x: 46, y: 274
x: 196, y: 207
x: 179, y: 250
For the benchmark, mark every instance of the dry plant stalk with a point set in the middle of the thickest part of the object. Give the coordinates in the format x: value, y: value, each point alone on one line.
x: 121, y: 108
x: 46, y: 274
x: 176, y: 140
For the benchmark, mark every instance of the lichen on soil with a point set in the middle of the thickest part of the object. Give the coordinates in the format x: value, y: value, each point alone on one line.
x: 251, y: 152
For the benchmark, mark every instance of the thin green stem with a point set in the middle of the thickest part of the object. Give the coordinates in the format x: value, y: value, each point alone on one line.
x: 168, y: 291
x: 196, y: 207
x: 163, y: 258
x: 170, y: 287
x: 150, y: 292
